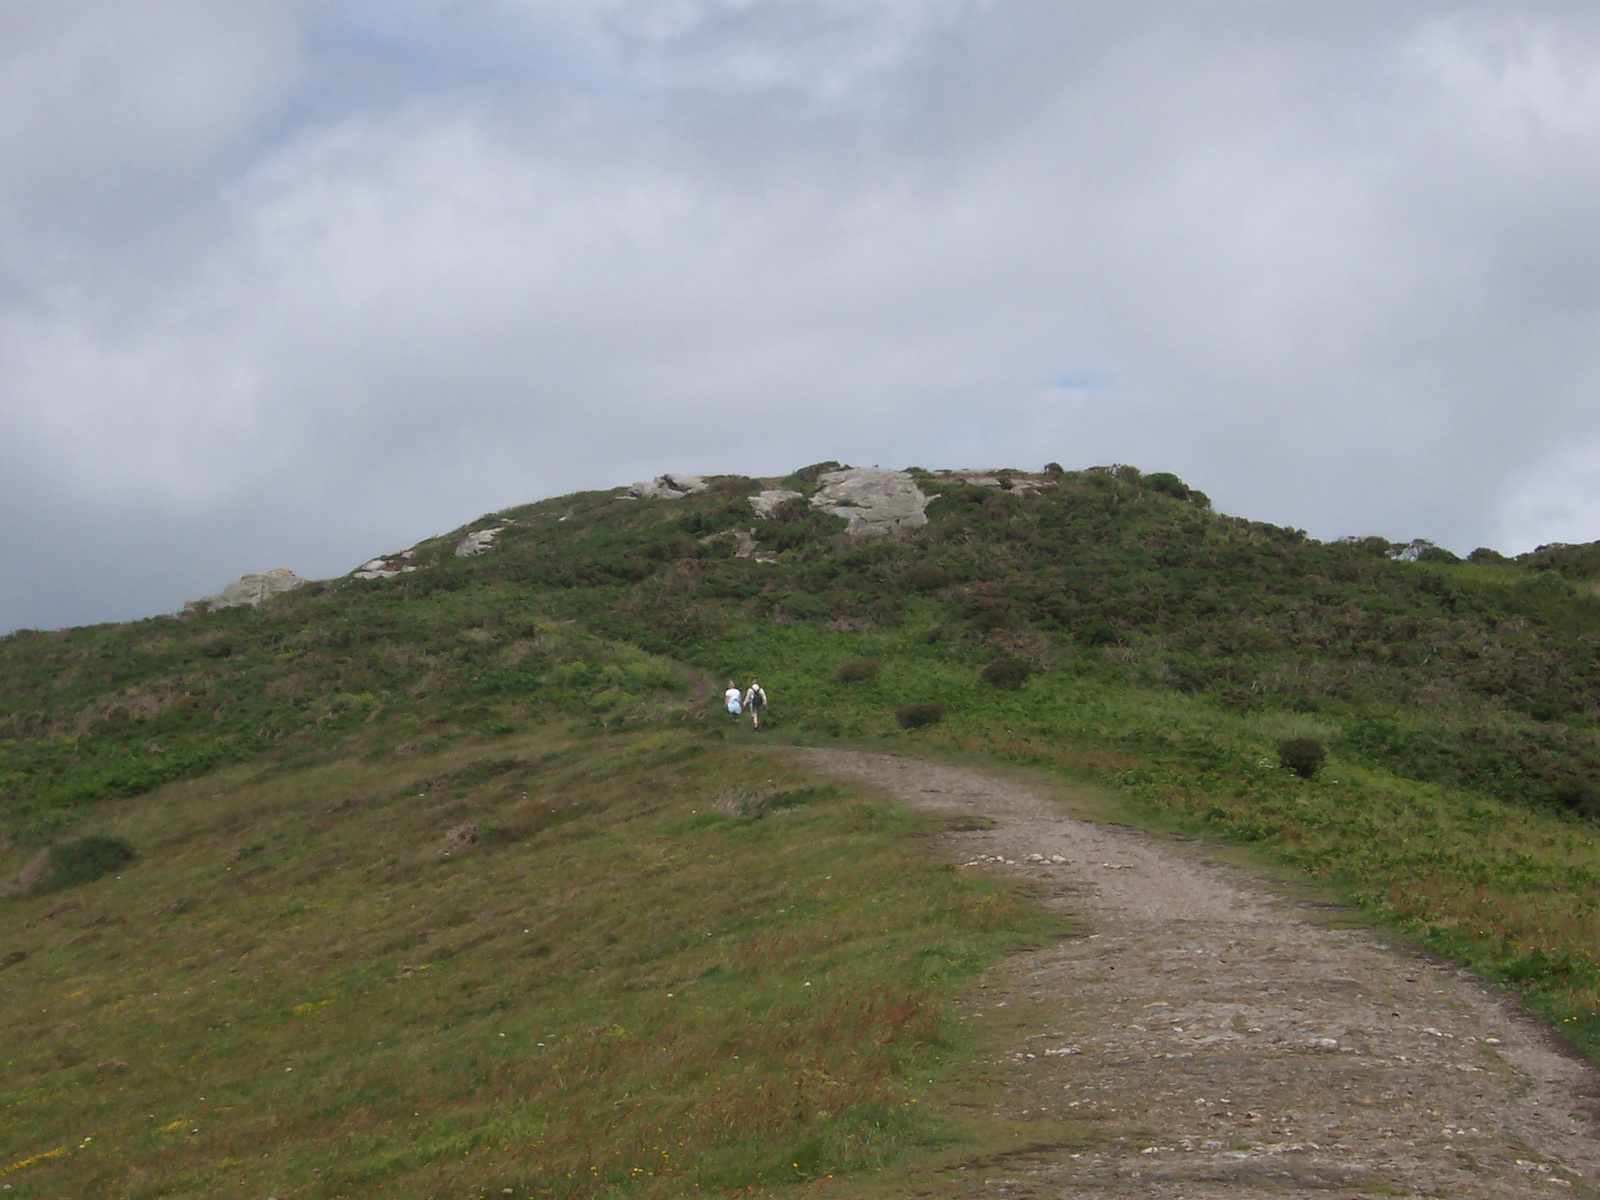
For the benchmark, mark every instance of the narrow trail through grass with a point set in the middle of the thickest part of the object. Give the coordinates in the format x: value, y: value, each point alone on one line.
x: 1215, y: 1036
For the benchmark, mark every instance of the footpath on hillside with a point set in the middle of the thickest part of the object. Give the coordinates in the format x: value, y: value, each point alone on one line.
x: 1210, y: 1038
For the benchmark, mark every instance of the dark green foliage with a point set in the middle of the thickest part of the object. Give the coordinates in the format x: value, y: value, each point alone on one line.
x: 1485, y: 555
x: 1094, y: 630
x: 1574, y: 562
x: 85, y: 859
x: 1103, y: 572
x: 1579, y: 797
x: 927, y: 577
x: 1437, y: 554
x: 919, y: 715
x: 814, y: 472
x: 858, y: 670
x: 1008, y: 672
x: 1304, y: 756
x: 1167, y: 484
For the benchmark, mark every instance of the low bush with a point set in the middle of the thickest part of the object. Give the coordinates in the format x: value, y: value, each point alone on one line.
x: 915, y: 716
x: 86, y: 859
x: 1010, y: 673
x: 1095, y: 631
x: 858, y: 670
x: 1167, y: 484
x: 1579, y: 797
x: 927, y: 577
x: 1302, y: 755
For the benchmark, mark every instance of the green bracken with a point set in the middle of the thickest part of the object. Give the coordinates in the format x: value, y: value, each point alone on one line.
x: 290, y: 779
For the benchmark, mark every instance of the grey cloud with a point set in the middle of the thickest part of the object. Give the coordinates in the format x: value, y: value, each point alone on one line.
x: 1331, y: 263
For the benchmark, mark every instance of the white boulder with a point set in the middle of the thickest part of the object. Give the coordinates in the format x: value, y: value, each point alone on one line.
x: 477, y: 542
x: 668, y: 487
x: 766, y: 504
x: 873, y: 500
x: 247, y: 592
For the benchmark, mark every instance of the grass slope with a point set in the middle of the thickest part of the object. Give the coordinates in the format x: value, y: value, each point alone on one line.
x: 1167, y: 650
x: 663, y: 964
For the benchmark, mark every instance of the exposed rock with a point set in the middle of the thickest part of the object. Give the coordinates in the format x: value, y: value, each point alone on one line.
x: 873, y: 500
x: 744, y: 545
x: 387, y: 568
x: 476, y: 543
x: 766, y: 504
x: 1018, y: 483
x: 668, y: 487
x: 247, y: 592
x: 1412, y: 552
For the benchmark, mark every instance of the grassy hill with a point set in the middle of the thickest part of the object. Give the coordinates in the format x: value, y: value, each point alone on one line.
x: 347, y: 806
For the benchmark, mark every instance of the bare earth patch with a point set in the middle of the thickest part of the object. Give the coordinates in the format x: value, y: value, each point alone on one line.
x: 1213, y: 1038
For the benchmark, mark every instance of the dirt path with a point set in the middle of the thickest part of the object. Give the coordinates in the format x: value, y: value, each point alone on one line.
x: 1212, y: 1040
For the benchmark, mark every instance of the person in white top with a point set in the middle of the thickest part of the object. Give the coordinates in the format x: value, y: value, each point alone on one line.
x: 731, y: 698
x: 755, y: 700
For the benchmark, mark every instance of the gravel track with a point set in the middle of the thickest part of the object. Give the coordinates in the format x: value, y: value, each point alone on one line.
x: 1212, y: 1038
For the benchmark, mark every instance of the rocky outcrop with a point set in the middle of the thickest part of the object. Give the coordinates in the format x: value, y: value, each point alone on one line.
x: 247, y: 592
x: 387, y: 568
x: 1413, y: 551
x: 668, y: 487
x: 766, y: 504
x: 744, y: 545
x: 476, y: 543
x: 873, y: 500
x: 1018, y: 483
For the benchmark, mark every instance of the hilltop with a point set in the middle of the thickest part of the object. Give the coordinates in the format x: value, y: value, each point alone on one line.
x: 542, y: 687
x: 1479, y: 674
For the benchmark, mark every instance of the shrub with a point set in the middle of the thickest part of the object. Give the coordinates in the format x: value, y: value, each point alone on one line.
x: 927, y: 578
x: 1010, y: 673
x: 1485, y: 555
x: 1167, y: 484
x: 86, y: 859
x: 858, y: 670
x: 1579, y: 797
x: 1095, y: 631
x: 1302, y: 755
x: 915, y: 716
x: 815, y: 471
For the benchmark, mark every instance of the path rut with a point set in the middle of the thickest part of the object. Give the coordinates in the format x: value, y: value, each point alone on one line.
x: 1210, y: 1038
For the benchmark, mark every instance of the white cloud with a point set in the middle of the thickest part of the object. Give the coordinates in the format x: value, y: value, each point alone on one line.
x: 1337, y: 260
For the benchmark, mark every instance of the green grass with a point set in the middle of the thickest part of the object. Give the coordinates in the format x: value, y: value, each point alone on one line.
x: 1511, y: 889
x: 620, y: 986
x: 288, y: 777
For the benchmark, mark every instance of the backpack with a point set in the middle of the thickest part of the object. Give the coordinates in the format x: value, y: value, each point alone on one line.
x: 758, y: 698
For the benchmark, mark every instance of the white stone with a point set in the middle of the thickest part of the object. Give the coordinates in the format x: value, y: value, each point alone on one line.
x: 476, y: 543
x: 668, y: 487
x: 766, y: 504
x: 872, y: 500
x: 248, y: 592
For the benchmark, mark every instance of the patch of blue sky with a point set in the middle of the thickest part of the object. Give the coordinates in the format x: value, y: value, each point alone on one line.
x: 1082, y: 379
x: 416, y: 47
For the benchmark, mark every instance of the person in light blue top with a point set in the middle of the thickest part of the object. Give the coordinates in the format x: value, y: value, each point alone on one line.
x: 731, y: 699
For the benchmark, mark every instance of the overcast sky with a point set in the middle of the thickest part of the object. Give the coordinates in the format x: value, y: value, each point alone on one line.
x: 295, y: 283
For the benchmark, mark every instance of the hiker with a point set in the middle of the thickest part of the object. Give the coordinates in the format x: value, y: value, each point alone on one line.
x: 731, y: 698
x: 755, y: 700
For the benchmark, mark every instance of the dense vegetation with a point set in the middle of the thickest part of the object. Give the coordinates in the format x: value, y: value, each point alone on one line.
x: 1108, y: 625
x: 1482, y: 675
